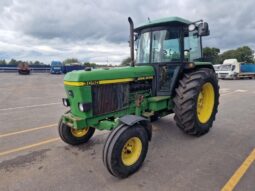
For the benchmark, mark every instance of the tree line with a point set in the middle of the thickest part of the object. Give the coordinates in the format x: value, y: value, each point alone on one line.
x: 14, y: 62
x: 69, y: 61
x: 242, y: 54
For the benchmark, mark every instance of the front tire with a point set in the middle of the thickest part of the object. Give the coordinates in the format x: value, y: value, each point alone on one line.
x: 74, y: 137
x: 196, y: 101
x: 125, y: 150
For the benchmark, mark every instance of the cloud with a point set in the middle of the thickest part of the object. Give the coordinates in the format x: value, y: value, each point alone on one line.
x: 97, y: 30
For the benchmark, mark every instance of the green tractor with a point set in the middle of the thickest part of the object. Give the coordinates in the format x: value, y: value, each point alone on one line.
x: 168, y: 76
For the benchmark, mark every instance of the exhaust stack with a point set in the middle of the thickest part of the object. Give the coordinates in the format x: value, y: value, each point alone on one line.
x: 131, y: 41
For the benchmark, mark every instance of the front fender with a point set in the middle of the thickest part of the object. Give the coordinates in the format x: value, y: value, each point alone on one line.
x: 131, y: 120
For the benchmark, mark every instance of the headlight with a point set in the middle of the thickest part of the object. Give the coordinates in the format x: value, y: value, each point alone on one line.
x: 70, y: 93
x: 192, y: 27
x: 84, y: 107
x: 65, y: 102
x: 81, y: 107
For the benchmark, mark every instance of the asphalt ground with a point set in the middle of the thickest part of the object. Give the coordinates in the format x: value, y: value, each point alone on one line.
x: 32, y: 157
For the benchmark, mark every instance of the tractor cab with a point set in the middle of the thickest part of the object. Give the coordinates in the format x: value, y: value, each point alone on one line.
x: 169, y: 45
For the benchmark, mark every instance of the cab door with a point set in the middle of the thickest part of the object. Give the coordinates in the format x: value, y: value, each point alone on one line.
x: 166, y: 78
x: 166, y: 58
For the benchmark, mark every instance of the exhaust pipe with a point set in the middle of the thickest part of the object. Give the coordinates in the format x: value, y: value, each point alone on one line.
x: 131, y: 41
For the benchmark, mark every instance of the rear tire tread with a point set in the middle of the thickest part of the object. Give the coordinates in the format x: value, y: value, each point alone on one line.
x: 186, y: 92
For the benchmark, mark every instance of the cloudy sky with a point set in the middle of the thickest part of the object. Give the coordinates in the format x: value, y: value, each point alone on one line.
x: 97, y: 30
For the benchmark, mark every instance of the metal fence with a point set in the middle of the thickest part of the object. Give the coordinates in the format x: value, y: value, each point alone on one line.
x: 34, y: 69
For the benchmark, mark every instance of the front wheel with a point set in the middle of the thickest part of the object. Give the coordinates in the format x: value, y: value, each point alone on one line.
x: 73, y: 136
x: 125, y: 150
x: 196, y: 101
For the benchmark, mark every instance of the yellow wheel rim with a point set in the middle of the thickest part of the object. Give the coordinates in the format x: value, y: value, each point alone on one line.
x: 205, y: 102
x: 79, y: 133
x: 131, y: 151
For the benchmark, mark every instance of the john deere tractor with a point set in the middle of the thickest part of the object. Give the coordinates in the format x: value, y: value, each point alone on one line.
x: 168, y: 76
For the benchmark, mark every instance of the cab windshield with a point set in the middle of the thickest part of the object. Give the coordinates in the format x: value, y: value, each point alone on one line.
x: 227, y: 67
x: 165, y: 46
x: 217, y: 68
x: 161, y: 46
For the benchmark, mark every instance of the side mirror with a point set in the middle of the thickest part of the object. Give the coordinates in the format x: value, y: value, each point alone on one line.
x: 203, y: 29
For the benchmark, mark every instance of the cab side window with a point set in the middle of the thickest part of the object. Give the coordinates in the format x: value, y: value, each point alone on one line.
x: 192, y: 46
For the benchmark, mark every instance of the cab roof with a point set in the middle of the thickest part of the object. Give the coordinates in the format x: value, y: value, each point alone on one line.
x: 163, y: 21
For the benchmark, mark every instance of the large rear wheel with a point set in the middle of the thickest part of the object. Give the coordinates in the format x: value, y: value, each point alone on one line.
x: 196, y: 101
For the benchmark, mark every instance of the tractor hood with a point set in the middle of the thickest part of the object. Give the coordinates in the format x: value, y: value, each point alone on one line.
x: 124, y: 73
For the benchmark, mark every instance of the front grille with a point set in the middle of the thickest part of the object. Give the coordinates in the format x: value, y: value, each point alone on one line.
x: 109, y: 98
x: 223, y: 75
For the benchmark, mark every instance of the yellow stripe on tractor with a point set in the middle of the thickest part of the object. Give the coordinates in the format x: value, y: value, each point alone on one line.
x: 116, y: 81
x: 74, y: 83
x: 96, y: 82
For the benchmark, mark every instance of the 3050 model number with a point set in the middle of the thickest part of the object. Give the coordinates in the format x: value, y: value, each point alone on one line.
x: 95, y: 82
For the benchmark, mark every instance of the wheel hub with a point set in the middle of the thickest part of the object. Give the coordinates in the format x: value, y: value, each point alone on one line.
x: 79, y: 133
x: 131, y: 151
x: 205, y: 102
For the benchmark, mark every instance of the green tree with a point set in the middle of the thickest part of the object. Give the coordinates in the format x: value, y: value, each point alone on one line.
x: 3, y: 62
x: 13, y: 62
x: 70, y: 61
x: 227, y: 55
x: 212, y: 54
x: 245, y: 54
x: 37, y: 63
x: 242, y: 54
x: 90, y: 64
x: 126, y: 62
